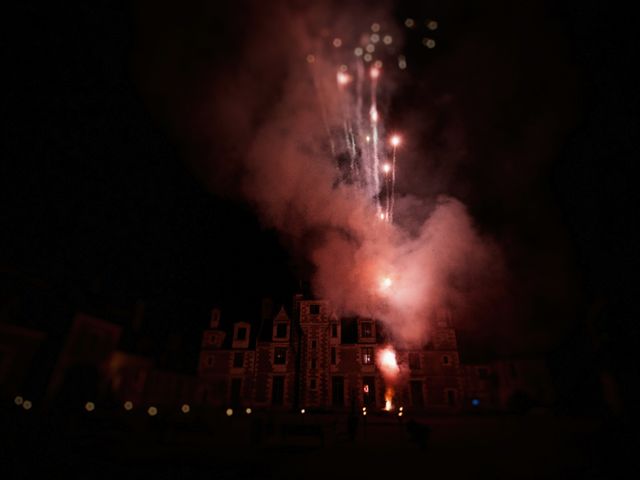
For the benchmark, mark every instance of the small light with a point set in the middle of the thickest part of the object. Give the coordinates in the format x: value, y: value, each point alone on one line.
x: 343, y: 68
x: 367, y: 57
x: 399, y: 414
x: 374, y: 72
x: 358, y: 51
x: 386, y: 168
x: 185, y: 408
x: 27, y: 405
x: 475, y: 402
x: 409, y: 23
x: 375, y: 38
x: 382, y: 216
x: 377, y: 64
x: 402, y: 62
x: 302, y: 411
x: 248, y: 410
x: 387, y: 39
x: 128, y: 405
x: 311, y: 58
x: 375, y: 27
x: 18, y: 400
x: 152, y: 411
x: 364, y: 413
x: 370, y: 48
x: 337, y: 42
x: 343, y: 78
x: 432, y: 24
x: 89, y: 406
x: 368, y: 138
x: 401, y: 408
x: 395, y: 140
x: 229, y: 412
x: 428, y: 42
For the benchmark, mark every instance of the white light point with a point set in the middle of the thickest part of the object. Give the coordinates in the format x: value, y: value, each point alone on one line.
x: 374, y: 72
x: 386, y: 168
x: 395, y: 140
x: 385, y: 283
x: 374, y: 114
x: 343, y: 78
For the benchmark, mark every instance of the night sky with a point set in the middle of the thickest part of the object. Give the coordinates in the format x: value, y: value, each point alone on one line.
x: 105, y: 184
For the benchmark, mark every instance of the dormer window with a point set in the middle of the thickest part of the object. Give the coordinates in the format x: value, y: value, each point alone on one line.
x: 241, y: 333
x: 281, y: 330
x: 334, y: 330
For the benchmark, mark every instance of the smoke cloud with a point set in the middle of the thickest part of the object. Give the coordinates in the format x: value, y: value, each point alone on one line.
x: 270, y: 115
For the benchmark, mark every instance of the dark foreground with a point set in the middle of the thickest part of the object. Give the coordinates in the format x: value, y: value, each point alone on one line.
x: 194, y: 445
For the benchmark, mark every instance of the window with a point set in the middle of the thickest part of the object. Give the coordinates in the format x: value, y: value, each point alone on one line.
x: 445, y: 360
x: 337, y: 391
x: 236, y: 390
x: 451, y: 397
x: 369, y: 391
x: 365, y: 330
x: 238, y: 360
x: 210, y: 360
x: 312, y: 384
x: 314, y: 309
x: 333, y: 356
x: 414, y: 361
x: 241, y: 333
x: 334, y: 330
x: 281, y: 330
x: 280, y: 356
x: 367, y: 356
x: 313, y: 363
x: 277, y: 390
x: 417, y: 398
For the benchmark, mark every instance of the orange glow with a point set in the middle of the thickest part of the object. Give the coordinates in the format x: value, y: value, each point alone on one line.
x: 185, y: 408
x: 388, y: 397
x: 89, y: 406
x: 395, y: 140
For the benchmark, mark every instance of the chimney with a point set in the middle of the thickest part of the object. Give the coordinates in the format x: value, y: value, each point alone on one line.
x: 215, y: 318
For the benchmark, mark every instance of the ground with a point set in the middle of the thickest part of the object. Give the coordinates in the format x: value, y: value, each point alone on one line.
x: 292, y: 446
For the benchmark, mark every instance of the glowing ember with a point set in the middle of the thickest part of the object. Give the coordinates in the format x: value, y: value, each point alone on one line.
x: 395, y: 140
x: 388, y: 399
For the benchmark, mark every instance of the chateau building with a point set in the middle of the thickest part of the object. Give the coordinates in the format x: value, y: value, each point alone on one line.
x: 309, y: 358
